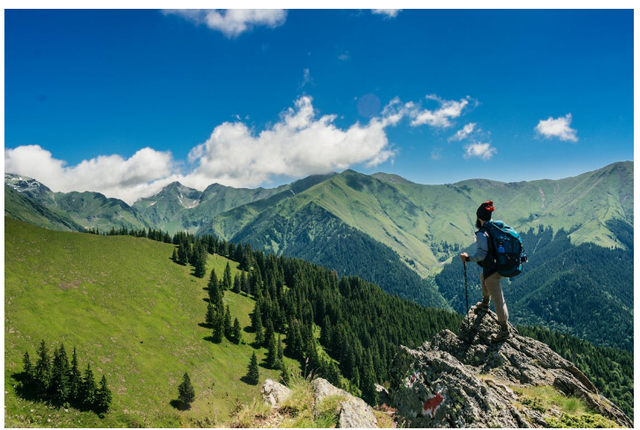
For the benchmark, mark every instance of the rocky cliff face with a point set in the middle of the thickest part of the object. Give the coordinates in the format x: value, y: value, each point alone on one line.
x: 465, y: 380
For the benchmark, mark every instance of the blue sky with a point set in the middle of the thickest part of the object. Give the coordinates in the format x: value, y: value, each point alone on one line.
x: 126, y: 101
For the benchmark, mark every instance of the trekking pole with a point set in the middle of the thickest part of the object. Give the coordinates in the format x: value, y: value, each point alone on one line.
x: 466, y: 291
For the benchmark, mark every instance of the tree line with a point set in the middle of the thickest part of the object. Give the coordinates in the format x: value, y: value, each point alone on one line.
x: 55, y: 379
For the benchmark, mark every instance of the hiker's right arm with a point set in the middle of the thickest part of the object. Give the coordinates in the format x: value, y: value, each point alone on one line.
x: 482, y: 248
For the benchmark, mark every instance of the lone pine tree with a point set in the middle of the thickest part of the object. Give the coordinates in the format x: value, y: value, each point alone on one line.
x: 253, y: 374
x: 186, y: 393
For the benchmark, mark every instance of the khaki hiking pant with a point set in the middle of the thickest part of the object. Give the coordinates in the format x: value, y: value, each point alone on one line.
x: 491, y: 288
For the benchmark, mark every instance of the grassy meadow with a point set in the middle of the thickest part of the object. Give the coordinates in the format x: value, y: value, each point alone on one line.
x: 133, y: 315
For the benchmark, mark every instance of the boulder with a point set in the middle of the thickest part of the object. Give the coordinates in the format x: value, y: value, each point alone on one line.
x: 354, y: 413
x: 274, y: 393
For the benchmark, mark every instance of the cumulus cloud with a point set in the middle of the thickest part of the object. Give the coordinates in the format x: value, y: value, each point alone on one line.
x: 389, y: 13
x: 299, y: 144
x: 557, y: 128
x: 140, y: 175
x: 232, y: 22
x: 463, y: 133
x: 440, y: 117
x: 481, y: 150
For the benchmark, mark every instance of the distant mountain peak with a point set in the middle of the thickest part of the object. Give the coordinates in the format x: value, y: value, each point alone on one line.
x: 389, y: 177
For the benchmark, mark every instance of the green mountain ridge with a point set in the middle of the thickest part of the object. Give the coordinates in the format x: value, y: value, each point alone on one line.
x: 20, y: 207
x: 90, y: 210
x: 400, y: 234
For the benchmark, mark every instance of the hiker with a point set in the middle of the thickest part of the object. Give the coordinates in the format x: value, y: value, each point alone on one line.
x: 485, y: 256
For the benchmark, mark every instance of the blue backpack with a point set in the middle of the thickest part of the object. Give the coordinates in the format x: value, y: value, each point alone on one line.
x: 508, y: 248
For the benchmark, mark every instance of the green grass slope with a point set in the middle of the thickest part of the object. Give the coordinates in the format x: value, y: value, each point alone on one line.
x: 133, y: 314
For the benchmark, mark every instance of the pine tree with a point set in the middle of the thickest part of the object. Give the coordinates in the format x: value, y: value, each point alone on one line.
x: 103, y: 397
x: 280, y: 351
x: 218, y: 327
x: 272, y: 353
x: 269, y: 333
x: 369, y: 392
x: 236, y: 331
x: 60, y: 376
x: 27, y: 370
x: 227, y: 324
x: 210, y: 316
x: 75, y: 378
x: 42, y: 371
x: 88, y: 389
x: 200, y: 261
x: 243, y: 281
x: 226, y: 278
x: 186, y: 393
x: 237, y: 284
x: 174, y: 256
x: 183, y: 254
x: 257, y: 325
x: 253, y: 374
x: 215, y: 293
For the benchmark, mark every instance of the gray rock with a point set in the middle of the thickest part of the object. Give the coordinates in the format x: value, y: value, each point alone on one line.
x: 357, y: 414
x: 274, y: 393
x: 461, y: 380
x: 354, y: 413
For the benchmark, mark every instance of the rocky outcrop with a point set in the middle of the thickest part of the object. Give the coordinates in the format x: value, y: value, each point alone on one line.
x: 465, y: 380
x: 274, y: 393
x: 354, y: 412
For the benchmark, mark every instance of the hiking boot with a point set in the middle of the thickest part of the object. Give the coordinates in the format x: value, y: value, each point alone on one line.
x: 481, y: 307
x: 501, y: 336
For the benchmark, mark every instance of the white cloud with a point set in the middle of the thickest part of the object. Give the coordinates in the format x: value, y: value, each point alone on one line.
x: 389, y: 13
x: 441, y: 117
x: 299, y: 144
x: 557, y: 127
x: 481, y: 150
x: 232, y: 22
x: 344, y: 56
x: 112, y: 175
x: 464, y: 133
